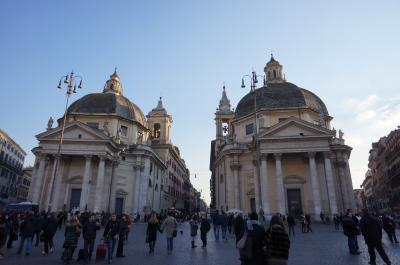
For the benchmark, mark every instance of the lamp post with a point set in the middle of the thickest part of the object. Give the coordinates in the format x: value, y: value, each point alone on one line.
x: 70, y: 82
x: 253, y: 88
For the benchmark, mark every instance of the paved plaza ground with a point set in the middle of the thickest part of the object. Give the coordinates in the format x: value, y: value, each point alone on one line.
x: 323, y: 246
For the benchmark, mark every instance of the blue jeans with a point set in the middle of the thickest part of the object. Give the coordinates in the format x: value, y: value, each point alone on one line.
x: 216, y: 231
x: 223, y: 229
x: 28, y: 244
x: 110, y: 247
x: 170, y: 243
x: 352, y: 243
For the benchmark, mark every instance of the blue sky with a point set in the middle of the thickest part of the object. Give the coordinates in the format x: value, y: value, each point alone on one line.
x: 347, y: 52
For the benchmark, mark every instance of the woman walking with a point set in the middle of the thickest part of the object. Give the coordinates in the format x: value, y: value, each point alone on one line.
x: 193, y: 229
x: 71, y: 236
x: 169, y: 228
x: 49, y: 229
x: 278, y: 242
x: 151, y: 232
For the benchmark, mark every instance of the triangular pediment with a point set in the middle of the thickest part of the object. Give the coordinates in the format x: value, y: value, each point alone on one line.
x: 73, y: 130
x: 295, y: 127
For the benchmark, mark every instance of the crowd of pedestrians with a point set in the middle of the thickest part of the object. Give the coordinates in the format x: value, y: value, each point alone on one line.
x: 257, y: 240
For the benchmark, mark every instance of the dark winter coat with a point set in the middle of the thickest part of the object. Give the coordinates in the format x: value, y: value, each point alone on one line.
x: 3, y: 233
x: 371, y: 229
x: 112, y: 229
x: 123, y: 228
x: 278, y: 242
x: 350, y: 227
x: 151, y: 231
x: 49, y: 226
x: 238, y: 225
x: 255, y: 233
x: 204, y: 226
x: 72, y: 233
x: 290, y: 220
x: 223, y: 220
x: 89, y: 229
x: 38, y: 222
x: 388, y: 225
x: 27, y: 227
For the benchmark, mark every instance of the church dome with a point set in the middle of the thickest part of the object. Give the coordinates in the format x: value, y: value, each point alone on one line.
x: 110, y: 102
x: 282, y: 95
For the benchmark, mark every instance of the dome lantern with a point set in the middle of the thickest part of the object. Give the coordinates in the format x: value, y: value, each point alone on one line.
x: 273, y: 71
x: 113, y: 85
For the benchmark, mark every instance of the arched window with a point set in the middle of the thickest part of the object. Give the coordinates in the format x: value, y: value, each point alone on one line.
x: 157, y: 130
x: 269, y: 75
x: 221, y: 178
x: 274, y: 74
x: 149, y: 182
x: 112, y: 86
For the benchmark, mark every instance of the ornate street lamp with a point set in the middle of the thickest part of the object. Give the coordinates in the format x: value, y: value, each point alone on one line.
x: 253, y: 87
x: 70, y: 82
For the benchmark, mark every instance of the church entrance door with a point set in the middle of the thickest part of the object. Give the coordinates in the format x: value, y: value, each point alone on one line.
x: 294, y: 202
x: 119, y: 204
x: 75, y: 198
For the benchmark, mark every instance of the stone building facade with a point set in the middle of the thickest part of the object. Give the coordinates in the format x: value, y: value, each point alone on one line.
x: 277, y: 152
x: 112, y: 158
x: 23, y: 189
x: 12, y: 158
x: 382, y: 180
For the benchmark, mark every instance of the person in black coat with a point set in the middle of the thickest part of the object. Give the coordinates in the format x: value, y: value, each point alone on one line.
x: 110, y: 235
x: 390, y: 228
x: 3, y: 234
x: 13, y: 227
x: 351, y: 230
x: 89, y: 229
x: 49, y: 228
x: 37, y: 221
x: 216, y: 219
x: 291, y: 224
x: 27, y: 229
x: 153, y: 226
x: 254, y: 253
x: 238, y: 226
x: 123, y: 231
x: 204, y: 228
x: 371, y: 229
x: 224, y: 225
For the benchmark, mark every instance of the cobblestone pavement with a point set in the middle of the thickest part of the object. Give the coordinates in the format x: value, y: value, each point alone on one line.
x: 324, y: 246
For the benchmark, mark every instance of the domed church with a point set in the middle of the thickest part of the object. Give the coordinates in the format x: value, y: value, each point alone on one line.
x: 113, y: 158
x: 277, y: 152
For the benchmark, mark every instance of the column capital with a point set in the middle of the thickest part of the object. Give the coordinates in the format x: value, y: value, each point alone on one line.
x: 278, y: 156
x: 264, y: 156
x: 311, y: 154
x: 56, y: 156
x: 102, y: 157
x: 235, y: 165
x: 88, y: 157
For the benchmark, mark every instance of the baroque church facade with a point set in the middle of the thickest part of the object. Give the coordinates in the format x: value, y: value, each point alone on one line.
x: 277, y: 152
x: 113, y: 158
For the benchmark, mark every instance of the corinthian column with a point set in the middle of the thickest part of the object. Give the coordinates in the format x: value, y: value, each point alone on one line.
x: 314, y: 185
x: 39, y: 179
x: 264, y: 185
x: 99, y: 185
x: 330, y: 184
x: 256, y: 185
x: 279, y: 185
x: 85, y: 183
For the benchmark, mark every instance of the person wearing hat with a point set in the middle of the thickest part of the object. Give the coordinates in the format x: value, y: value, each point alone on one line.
x: 371, y: 229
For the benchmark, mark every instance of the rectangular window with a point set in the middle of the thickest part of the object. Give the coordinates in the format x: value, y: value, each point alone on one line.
x: 282, y: 119
x: 249, y: 128
x: 124, y: 130
x: 94, y: 125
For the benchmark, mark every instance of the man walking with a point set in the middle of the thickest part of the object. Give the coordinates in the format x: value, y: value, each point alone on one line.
x: 291, y: 224
x: 204, y: 228
x: 216, y: 224
x: 371, y: 229
x: 351, y: 230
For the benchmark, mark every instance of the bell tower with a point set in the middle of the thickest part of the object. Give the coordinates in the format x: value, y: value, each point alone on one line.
x: 160, y: 122
x: 273, y: 71
x: 223, y: 117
